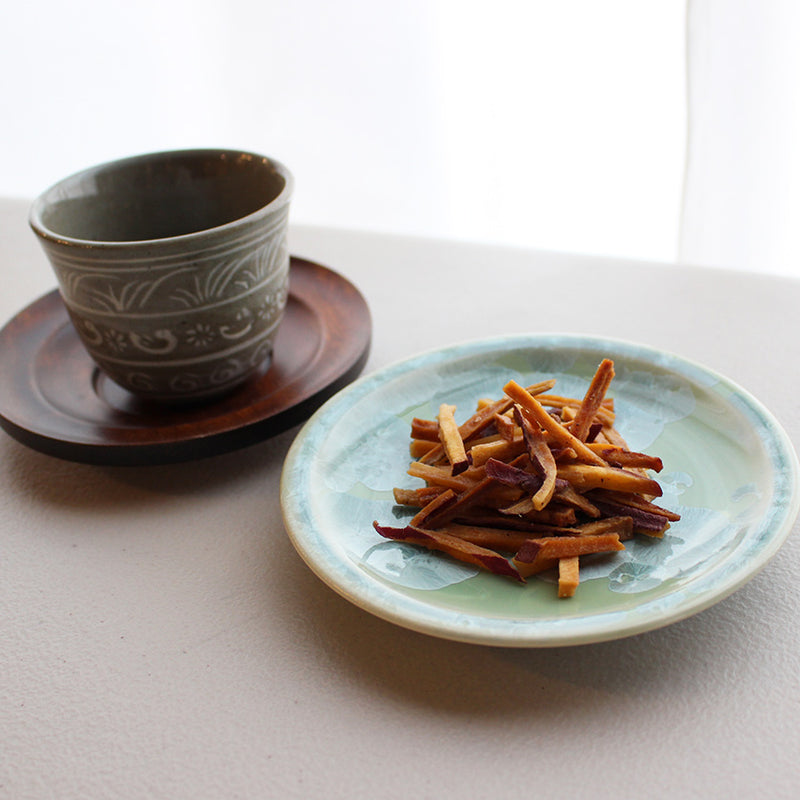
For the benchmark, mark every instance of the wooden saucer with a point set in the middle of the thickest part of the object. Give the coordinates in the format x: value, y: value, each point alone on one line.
x: 55, y: 400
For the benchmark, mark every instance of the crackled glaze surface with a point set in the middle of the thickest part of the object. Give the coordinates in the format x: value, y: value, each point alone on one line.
x: 729, y: 470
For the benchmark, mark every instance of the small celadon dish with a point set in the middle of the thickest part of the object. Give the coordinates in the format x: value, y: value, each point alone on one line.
x: 729, y: 470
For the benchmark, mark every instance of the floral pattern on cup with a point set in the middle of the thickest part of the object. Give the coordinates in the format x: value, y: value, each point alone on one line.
x: 208, y: 379
x: 176, y: 285
x: 174, y: 266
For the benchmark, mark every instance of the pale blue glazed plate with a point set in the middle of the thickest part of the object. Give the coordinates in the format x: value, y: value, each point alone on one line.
x: 729, y: 470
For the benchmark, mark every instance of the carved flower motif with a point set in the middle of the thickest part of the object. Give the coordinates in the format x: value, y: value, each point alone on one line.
x: 115, y: 340
x: 200, y: 335
x: 263, y: 311
x: 273, y: 302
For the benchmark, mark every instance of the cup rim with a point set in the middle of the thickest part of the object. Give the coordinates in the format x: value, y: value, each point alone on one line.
x: 41, y: 201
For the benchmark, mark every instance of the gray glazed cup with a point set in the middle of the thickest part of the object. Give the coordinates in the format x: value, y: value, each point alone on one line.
x: 174, y: 267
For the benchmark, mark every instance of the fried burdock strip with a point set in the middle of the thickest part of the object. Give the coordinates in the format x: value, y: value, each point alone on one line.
x: 536, y: 414
x: 486, y: 492
x: 525, y: 472
x: 453, y: 546
x: 595, y: 429
x: 647, y: 517
x: 613, y: 436
x: 513, y: 475
x: 569, y: 406
x: 419, y: 448
x: 541, y: 457
x: 501, y: 450
x: 450, y: 439
x: 584, y: 477
x: 442, y: 476
x: 538, y: 555
x: 426, y: 516
x: 458, y: 500
x: 568, y: 576
x: 425, y: 429
x: 566, y: 494
x: 504, y: 540
x: 618, y: 456
x: 636, y: 501
x: 595, y: 394
x: 622, y: 526
x: 505, y: 427
x: 505, y: 450
x: 484, y: 416
x: 471, y: 484
x: 551, y: 515
x: 475, y: 424
x: 562, y: 516
x: 418, y: 497
x: 510, y: 540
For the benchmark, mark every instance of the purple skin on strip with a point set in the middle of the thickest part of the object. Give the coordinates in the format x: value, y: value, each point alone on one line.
x: 493, y: 562
x: 429, y: 513
x: 499, y: 566
x: 594, y: 429
x: 400, y: 534
x: 528, y: 551
x: 642, y: 520
x: 512, y: 476
x: 462, y: 466
x: 529, y: 435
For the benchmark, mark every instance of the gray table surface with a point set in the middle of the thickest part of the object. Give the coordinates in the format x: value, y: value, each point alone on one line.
x: 161, y: 638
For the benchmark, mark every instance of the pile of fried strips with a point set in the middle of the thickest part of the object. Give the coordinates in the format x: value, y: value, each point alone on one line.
x: 530, y: 482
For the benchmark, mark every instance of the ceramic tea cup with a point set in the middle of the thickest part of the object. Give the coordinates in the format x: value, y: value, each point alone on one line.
x: 173, y: 266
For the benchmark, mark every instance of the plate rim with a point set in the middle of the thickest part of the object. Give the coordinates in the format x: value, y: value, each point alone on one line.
x: 419, y: 620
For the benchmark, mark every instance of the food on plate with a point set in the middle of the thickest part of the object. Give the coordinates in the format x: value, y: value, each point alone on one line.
x: 531, y: 482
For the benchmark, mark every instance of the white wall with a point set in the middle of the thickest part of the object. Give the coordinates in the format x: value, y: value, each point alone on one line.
x: 742, y: 195
x: 555, y: 125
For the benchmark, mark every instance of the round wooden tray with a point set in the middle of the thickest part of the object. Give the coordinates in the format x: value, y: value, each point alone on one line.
x: 54, y: 399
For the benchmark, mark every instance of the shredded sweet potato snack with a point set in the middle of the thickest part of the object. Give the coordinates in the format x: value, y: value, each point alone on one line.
x: 530, y: 482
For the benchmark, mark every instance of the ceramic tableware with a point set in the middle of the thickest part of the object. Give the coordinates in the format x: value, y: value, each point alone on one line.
x: 173, y: 267
x: 730, y: 470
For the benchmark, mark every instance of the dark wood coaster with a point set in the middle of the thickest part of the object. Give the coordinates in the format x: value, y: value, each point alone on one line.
x: 54, y: 399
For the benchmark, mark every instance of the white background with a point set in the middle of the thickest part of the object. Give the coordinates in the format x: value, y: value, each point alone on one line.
x: 558, y: 125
